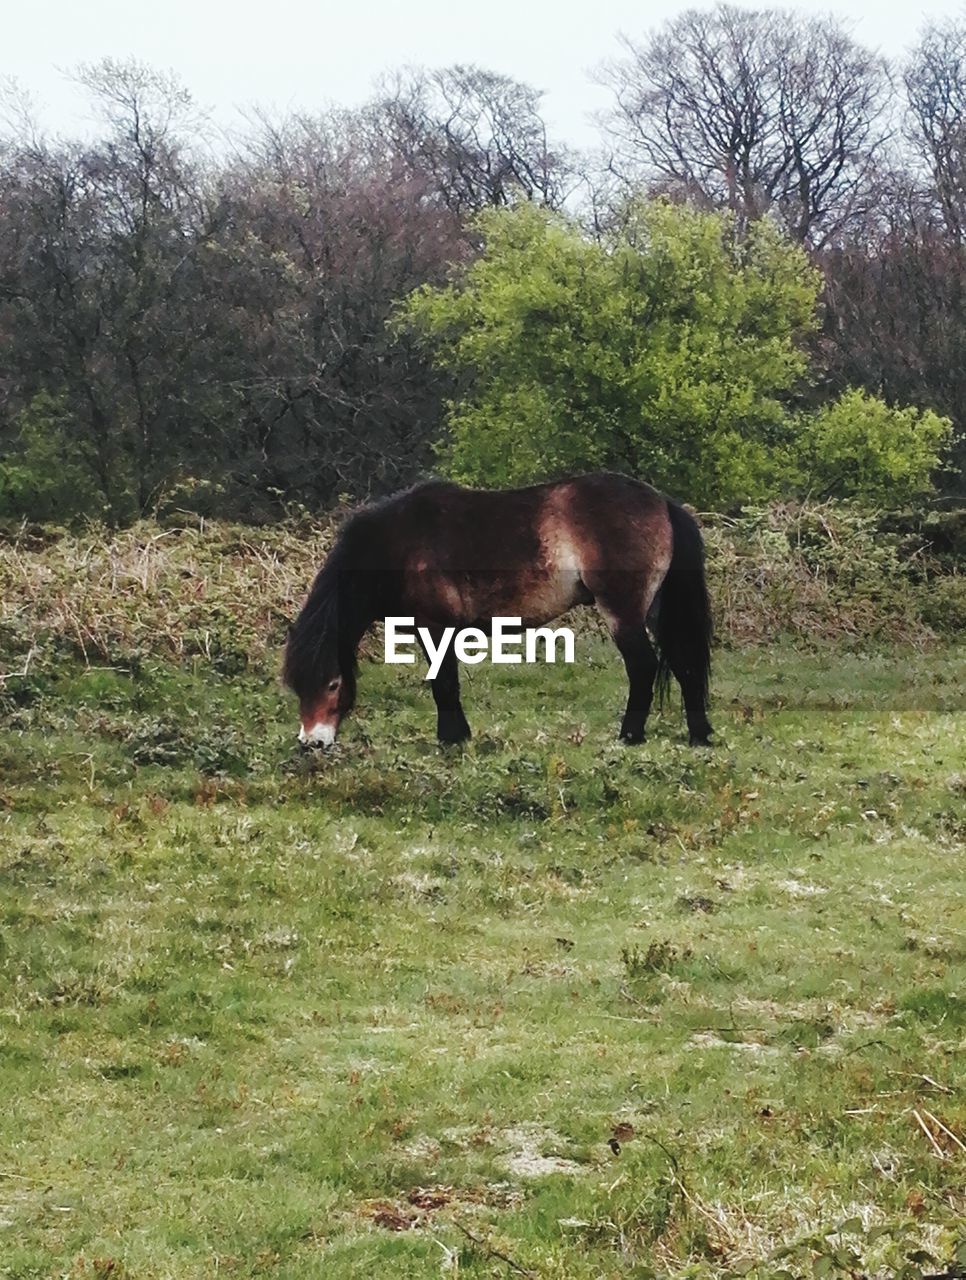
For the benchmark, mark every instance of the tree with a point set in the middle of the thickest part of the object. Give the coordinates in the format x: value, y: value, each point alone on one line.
x: 49, y: 476
x: 935, y: 80
x: 216, y: 330
x: 894, y: 312
x: 665, y: 353
x: 328, y: 230
x: 479, y: 137
x: 101, y: 295
x: 755, y: 111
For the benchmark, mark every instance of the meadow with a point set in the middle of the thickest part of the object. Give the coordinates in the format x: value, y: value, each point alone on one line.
x: 543, y: 1006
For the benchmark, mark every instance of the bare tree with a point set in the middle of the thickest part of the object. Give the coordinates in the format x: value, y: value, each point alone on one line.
x: 18, y: 114
x: 935, y: 79
x: 100, y: 282
x: 226, y: 322
x: 330, y: 227
x: 755, y: 110
x: 478, y: 135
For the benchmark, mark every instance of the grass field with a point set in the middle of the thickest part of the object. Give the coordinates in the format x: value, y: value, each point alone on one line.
x: 546, y: 1006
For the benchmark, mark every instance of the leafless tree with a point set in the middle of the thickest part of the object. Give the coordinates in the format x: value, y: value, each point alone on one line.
x: 100, y: 285
x: 330, y: 228
x: 755, y: 110
x: 18, y: 114
x: 478, y: 135
x: 935, y: 80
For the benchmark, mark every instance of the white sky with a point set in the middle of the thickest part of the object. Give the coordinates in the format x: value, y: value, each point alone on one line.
x: 300, y: 54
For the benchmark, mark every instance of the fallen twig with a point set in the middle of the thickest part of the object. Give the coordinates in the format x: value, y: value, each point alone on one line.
x: 925, y: 1128
x: 939, y: 1125
x: 494, y: 1253
x: 620, y: 1017
x: 14, y: 675
x: 632, y: 999
x: 919, y: 1075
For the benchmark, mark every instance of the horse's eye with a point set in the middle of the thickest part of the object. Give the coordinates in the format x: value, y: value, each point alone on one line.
x: 333, y: 685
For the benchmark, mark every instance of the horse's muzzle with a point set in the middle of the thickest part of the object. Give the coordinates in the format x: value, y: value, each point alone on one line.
x: 320, y: 735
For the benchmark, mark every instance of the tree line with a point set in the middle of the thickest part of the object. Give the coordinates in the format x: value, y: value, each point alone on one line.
x: 333, y: 305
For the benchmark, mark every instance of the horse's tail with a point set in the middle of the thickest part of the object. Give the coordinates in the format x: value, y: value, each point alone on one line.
x: 682, y: 619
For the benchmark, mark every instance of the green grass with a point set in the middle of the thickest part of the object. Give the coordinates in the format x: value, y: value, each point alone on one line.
x: 380, y: 1012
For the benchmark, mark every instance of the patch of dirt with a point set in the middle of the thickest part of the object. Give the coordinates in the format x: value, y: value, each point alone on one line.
x: 423, y: 1148
x: 711, y: 1040
x: 417, y: 1208
x: 845, y: 1017
x: 697, y: 902
x: 411, y: 884
x: 524, y: 1148
x: 675, y: 989
x: 800, y: 888
x: 389, y: 1215
x: 525, y: 1151
x: 546, y: 969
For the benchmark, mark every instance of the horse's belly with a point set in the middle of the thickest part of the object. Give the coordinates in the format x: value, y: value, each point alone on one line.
x: 535, y: 597
x: 535, y: 591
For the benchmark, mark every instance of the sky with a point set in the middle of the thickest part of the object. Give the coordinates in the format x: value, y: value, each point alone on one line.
x: 305, y: 55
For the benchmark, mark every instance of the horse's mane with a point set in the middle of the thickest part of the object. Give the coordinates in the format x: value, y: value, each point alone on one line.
x: 321, y: 628
x: 346, y: 596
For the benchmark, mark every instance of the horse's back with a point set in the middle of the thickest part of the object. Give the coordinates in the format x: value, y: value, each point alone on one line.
x: 603, y: 513
x: 531, y: 552
x: 612, y: 528
x: 601, y: 491
x: 462, y: 529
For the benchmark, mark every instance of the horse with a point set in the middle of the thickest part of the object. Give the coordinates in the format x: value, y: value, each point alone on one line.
x: 449, y: 556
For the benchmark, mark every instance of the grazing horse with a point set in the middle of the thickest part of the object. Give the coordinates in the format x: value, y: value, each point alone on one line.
x: 449, y: 556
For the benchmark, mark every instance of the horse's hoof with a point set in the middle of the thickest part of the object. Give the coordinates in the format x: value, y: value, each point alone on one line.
x: 631, y: 739
x: 452, y: 739
x: 699, y: 740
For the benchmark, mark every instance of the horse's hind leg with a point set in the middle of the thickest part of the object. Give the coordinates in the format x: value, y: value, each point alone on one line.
x: 684, y: 666
x: 451, y: 724
x: 622, y: 599
x: 640, y: 661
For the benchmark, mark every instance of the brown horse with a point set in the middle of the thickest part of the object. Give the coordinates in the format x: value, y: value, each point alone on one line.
x: 448, y: 556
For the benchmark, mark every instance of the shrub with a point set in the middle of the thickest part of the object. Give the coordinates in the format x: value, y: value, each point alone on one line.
x: 859, y: 447
x: 829, y: 571
x: 220, y: 594
x: 48, y: 476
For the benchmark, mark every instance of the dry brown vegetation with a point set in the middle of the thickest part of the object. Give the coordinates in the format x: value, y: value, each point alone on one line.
x: 224, y: 593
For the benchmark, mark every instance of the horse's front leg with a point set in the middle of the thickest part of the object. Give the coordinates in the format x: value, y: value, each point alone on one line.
x: 451, y: 724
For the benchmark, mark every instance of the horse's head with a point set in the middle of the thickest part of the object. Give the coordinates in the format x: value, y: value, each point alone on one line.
x: 320, y: 655
x: 322, y: 709
x: 323, y: 682
x: 321, y: 672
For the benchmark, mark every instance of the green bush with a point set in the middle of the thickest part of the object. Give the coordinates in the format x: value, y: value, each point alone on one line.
x: 860, y: 447
x: 47, y: 477
x: 943, y: 606
x: 669, y: 352
x: 940, y: 534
